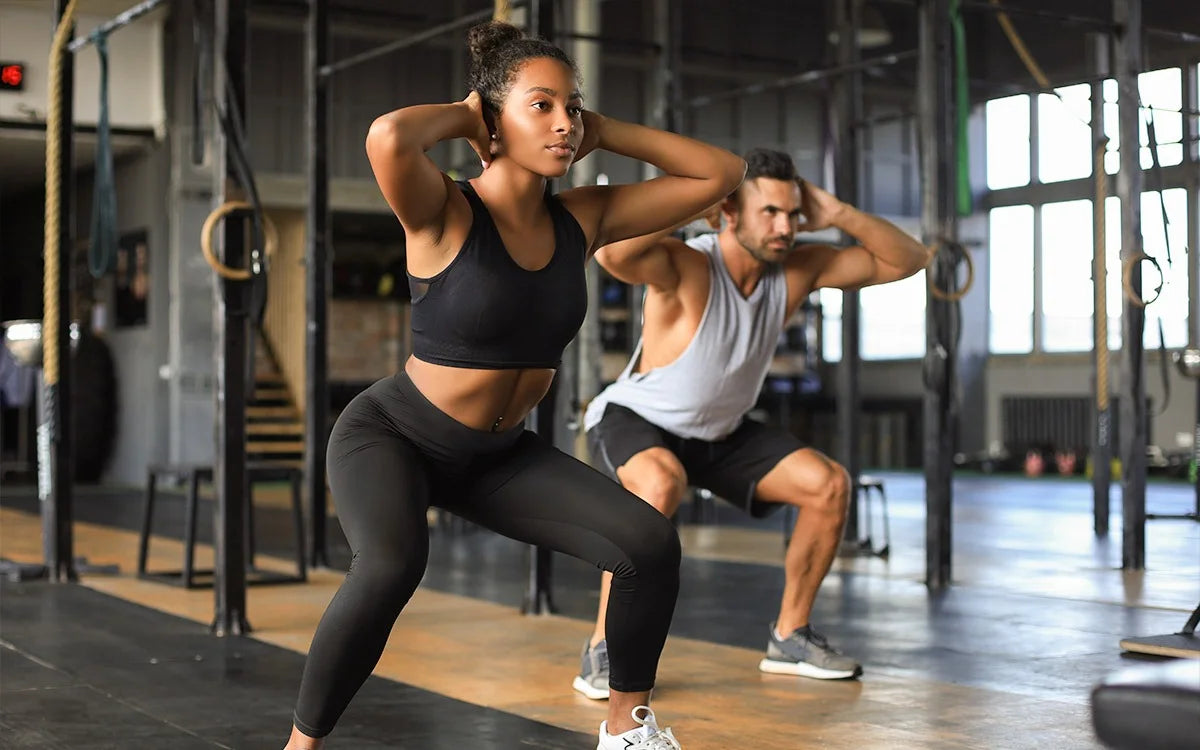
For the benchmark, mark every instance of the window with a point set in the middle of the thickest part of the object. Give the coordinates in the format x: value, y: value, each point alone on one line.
x: 1162, y: 92
x: 893, y: 319
x: 1010, y: 280
x: 1060, y: 318
x: 1064, y: 135
x: 1112, y: 266
x: 1007, y: 123
x: 1172, y: 306
x: 1162, y: 97
x: 1112, y: 130
x: 831, y: 327
x: 1066, y: 275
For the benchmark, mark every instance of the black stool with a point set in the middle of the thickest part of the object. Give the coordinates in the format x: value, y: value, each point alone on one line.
x: 194, y: 474
x: 866, y: 484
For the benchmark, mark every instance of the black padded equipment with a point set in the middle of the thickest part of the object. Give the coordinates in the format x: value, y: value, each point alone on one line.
x: 1156, y: 706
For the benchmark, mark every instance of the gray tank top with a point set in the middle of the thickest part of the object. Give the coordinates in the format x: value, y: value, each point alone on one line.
x: 707, y: 390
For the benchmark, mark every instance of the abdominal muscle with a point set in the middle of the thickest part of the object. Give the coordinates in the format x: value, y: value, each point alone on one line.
x: 489, y: 400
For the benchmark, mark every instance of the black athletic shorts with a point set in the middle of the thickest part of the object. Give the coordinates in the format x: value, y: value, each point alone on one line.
x: 730, y: 468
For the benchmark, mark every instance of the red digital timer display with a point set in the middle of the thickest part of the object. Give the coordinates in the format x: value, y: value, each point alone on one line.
x: 12, y: 76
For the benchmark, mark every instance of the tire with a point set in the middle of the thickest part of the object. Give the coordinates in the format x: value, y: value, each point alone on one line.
x: 94, y: 406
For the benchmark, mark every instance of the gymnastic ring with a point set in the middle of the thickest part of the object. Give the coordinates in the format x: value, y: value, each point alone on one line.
x: 270, y: 239
x: 1127, y: 283
x: 938, y: 293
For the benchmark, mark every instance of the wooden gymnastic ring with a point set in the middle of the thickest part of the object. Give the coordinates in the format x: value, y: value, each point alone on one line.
x: 1127, y: 284
x: 937, y: 292
x: 270, y: 239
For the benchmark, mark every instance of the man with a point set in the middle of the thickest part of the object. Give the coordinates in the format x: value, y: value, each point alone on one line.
x: 713, y: 312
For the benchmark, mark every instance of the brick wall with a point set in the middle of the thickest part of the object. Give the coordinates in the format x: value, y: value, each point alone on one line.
x: 368, y: 338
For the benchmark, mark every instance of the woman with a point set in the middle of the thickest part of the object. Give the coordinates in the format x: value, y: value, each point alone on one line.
x: 497, y: 273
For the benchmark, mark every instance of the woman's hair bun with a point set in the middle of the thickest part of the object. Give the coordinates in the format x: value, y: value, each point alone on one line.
x: 485, y: 38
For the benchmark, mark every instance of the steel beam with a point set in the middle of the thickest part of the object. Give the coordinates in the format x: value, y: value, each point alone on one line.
x: 412, y: 40
x: 1127, y: 61
x: 317, y: 272
x: 121, y: 19
x: 1191, y: 158
x: 231, y: 329
x: 1102, y: 449
x: 939, y: 221
x: 809, y: 76
x: 847, y: 107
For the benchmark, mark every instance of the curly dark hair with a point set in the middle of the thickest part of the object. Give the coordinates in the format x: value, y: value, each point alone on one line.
x: 775, y: 165
x: 765, y: 162
x: 498, y: 50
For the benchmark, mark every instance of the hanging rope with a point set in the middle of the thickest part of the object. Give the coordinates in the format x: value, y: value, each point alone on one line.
x: 1019, y: 47
x: 502, y: 11
x: 962, y: 108
x: 50, y: 279
x: 102, y: 244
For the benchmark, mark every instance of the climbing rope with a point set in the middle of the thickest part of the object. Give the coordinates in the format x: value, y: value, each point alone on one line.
x: 51, y: 245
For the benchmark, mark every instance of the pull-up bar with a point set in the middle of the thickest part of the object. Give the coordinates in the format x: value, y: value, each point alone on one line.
x: 1054, y: 16
x: 122, y: 19
x: 431, y: 33
x: 807, y: 76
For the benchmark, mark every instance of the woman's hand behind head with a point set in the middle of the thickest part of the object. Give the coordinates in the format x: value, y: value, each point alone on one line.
x: 593, y: 124
x: 481, y: 139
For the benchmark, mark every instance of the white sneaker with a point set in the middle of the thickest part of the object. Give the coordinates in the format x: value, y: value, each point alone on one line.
x: 646, y: 737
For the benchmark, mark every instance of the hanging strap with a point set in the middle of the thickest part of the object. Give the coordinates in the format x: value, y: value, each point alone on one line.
x: 1157, y: 176
x: 102, y: 245
x: 962, y: 106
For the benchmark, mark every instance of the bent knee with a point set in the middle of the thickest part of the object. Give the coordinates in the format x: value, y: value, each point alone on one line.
x: 653, y: 550
x: 658, y: 483
x: 389, y: 576
x: 827, y: 494
x: 835, y: 499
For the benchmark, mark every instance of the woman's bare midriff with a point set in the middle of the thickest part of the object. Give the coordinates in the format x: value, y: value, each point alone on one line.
x: 489, y: 400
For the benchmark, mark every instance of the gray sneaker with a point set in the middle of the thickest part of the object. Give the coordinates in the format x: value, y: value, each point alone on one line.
x: 806, y: 653
x: 592, y: 680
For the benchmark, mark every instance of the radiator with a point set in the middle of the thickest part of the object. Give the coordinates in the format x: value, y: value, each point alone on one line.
x: 1058, y: 423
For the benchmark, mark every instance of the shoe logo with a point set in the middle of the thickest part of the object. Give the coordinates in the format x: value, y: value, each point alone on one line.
x: 628, y: 742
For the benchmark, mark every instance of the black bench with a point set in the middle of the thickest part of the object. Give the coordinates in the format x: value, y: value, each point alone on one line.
x: 1156, y: 706
x: 193, y: 475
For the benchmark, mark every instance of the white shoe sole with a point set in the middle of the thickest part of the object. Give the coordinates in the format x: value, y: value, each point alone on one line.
x: 597, y: 694
x: 802, y: 669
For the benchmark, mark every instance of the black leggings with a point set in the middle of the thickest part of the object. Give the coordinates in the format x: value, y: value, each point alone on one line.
x: 393, y: 454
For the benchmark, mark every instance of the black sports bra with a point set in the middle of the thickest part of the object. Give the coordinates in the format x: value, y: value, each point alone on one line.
x: 484, y: 311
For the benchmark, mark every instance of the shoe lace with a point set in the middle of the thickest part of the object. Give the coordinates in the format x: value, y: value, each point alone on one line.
x: 815, y: 637
x: 821, y: 642
x: 662, y: 739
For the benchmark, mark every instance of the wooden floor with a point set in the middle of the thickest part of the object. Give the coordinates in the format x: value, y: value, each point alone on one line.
x: 485, y: 653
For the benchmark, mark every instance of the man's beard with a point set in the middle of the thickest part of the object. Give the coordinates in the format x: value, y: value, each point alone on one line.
x: 761, y: 253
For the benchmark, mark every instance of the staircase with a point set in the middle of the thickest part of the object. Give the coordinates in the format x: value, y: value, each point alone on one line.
x: 274, y: 426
